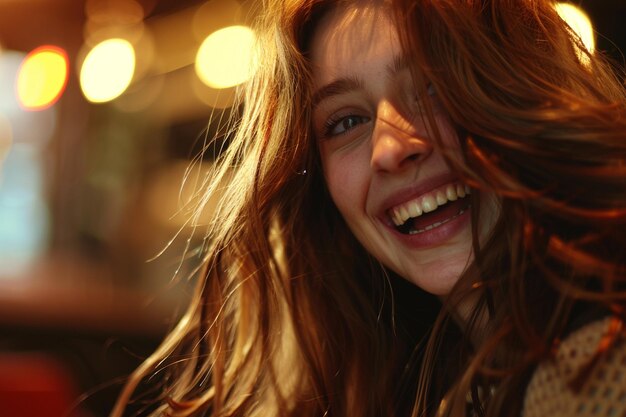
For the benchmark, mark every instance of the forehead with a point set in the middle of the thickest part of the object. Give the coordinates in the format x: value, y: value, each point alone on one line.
x: 352, y: 37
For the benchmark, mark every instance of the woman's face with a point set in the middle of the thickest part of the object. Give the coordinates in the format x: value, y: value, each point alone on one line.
x: 394, y: 190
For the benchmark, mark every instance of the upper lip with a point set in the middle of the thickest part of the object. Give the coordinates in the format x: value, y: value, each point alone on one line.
x: 413, y: 191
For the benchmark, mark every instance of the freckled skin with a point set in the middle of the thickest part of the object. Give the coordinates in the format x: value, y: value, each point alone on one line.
x: 380, y: 150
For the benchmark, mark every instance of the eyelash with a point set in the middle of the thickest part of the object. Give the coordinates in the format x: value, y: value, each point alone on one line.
x: 430, y: 91
x: 333, y: 122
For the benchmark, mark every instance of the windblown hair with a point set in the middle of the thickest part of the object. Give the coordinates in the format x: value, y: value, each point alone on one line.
x: 291, y: 316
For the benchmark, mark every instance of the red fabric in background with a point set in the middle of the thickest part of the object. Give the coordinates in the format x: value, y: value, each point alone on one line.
x: 36, y: 385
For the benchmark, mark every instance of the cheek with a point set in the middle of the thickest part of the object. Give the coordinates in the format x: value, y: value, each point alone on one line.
x: 341, y: 185
x: 347, y: 182
x: 449, y: 134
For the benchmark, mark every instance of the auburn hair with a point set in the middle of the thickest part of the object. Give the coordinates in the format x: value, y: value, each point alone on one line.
x: 542, y: 124
x: 292, y: 317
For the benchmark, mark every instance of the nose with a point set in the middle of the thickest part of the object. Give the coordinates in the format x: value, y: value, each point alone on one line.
x: 396, y: 144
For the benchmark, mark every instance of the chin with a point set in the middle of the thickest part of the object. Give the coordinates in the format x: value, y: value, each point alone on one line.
x: 440, y: 279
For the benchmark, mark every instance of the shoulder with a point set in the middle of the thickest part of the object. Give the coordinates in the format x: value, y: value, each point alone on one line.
x: 586, y: 377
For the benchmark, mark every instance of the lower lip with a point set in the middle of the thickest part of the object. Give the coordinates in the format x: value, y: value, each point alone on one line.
x: 436, y: 236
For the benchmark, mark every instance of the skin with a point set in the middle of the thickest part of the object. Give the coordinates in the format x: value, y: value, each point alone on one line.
x: 376, y: 151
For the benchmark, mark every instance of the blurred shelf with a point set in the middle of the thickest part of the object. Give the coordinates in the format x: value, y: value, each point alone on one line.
x: 77, y: 295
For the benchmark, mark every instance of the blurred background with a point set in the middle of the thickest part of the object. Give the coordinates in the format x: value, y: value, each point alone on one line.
x: 105, y: 106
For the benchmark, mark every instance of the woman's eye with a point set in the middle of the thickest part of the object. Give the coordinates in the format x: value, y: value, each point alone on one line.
x: 430, y: 90
x: 335, y: 127
x: 417, y: 101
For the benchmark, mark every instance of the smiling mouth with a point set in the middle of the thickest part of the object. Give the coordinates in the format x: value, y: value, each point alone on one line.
x: 431, y: 210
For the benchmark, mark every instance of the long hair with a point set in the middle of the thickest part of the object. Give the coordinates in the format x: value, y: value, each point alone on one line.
x: 543, y: 126
x: 291, y: 316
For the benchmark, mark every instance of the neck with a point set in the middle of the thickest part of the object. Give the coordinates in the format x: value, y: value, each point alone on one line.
x: 470, y: 314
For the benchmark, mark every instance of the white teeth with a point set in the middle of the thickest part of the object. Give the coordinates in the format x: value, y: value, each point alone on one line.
x: 441, y: 198
x: 428, y: 203
x: 404, y: 213
x: 451, y: 193
x: 436, y: 224
x: 415, y: 209
x: 395, y: 216
x: 400, y: 217
x: 460, y: 190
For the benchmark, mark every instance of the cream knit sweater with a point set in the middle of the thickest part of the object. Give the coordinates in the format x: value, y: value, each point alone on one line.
x: 579, y: 381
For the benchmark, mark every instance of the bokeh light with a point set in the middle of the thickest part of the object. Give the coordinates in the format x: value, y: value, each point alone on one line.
x: 35, y: 127
x: 580, y: 23
x: 107, y: 70
x: 225, y: 57
x: 42, y: 77
x: 24, y: 216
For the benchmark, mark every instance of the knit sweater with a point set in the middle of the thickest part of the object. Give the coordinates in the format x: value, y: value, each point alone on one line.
x: 587, y: 377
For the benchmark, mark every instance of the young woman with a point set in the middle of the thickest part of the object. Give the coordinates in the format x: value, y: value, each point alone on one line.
x: 471, y: 148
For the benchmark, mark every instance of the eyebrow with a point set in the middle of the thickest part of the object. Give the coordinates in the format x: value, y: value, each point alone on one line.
x: 339, y: 86
x: 347, y: 84
x: 399, y: 63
